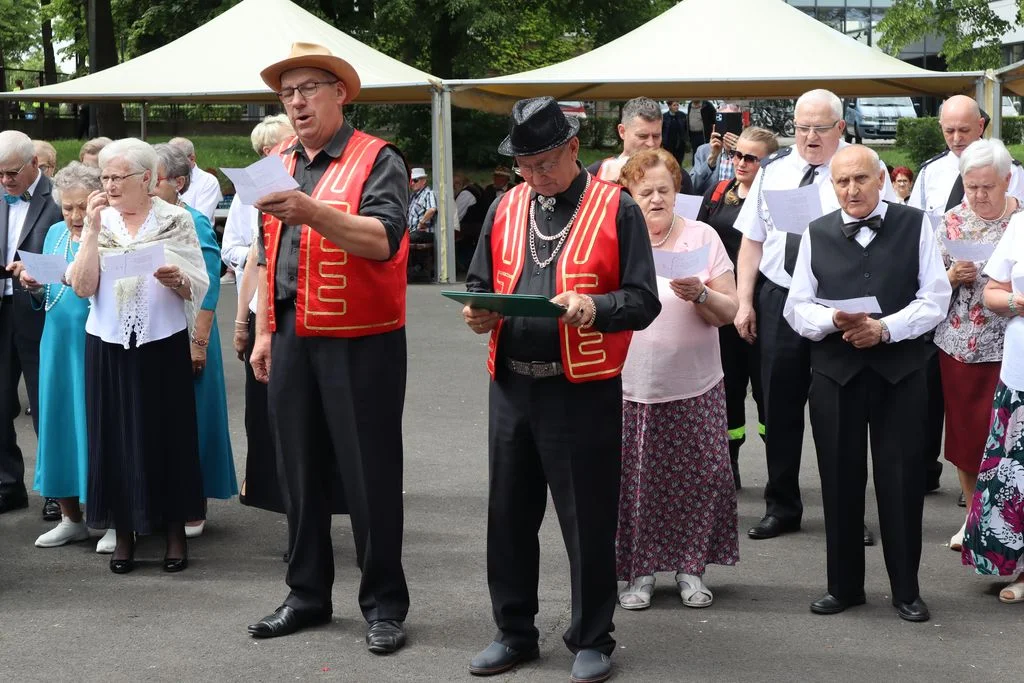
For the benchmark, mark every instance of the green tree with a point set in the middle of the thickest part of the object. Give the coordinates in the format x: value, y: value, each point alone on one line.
x: 970, y: 30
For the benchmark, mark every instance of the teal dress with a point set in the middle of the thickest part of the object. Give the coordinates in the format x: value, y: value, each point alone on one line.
x: 215, y: 457
x: 62, y: 459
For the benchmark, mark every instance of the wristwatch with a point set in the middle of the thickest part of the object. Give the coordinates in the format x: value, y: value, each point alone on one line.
x: 703, y: 296
x: 885, y: 338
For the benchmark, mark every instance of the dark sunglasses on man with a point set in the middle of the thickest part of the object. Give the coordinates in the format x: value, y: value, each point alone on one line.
x: 749, y: 158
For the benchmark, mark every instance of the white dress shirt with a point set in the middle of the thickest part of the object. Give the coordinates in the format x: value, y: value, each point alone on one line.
x: 464, y: 202
x: 203, y: 192
x: 755, y: 222
x: 1007, y: 265
x: 935, y: 181
x: 240, y: 230
x: 814, y: 321
x: 16, y: 215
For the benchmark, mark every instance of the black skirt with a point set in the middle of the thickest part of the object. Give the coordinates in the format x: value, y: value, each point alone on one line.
x: 143, y: 449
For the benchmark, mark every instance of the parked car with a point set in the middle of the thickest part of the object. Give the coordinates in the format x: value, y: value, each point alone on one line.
x: 1010, y: 107
x: 876, y: 117
x: 573, y: 108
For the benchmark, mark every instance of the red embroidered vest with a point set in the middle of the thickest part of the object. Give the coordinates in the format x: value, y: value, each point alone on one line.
x: 588, y: 264
x: 338, y: 294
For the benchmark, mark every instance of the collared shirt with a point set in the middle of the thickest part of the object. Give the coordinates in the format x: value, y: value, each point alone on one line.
x: 814, y: 321
x: 755, y: 220
x: 631, y: 307
x: 16, y: 215
x: 935, y: 181
x: 203, y: 192
x: 385, y: 194
x: 419, y: 204
x: 240, y: 230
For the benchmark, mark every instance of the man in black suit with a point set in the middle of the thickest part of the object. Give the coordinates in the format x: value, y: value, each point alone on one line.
x: 26, y: 214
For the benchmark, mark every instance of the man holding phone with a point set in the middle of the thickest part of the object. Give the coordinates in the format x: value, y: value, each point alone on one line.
x: 710, y: 165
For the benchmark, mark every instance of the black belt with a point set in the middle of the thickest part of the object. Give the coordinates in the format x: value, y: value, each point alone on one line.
x: 535, y: 368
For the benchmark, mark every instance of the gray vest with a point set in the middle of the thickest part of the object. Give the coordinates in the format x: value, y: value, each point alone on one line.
x: 886, y: 269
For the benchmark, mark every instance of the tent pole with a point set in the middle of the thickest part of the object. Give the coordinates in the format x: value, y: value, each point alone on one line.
x: 441, y: 160
x: 142, y: 122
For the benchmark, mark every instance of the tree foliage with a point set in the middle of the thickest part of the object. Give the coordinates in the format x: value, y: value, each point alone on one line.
x: 970, y: 29
x: 19, y: 30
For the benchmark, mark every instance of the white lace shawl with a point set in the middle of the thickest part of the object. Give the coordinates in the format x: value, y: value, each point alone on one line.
x: 172, y: 227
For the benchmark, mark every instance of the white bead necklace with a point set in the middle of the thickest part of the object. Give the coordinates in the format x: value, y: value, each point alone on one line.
x: 668, y: 234
x: 47, y: 303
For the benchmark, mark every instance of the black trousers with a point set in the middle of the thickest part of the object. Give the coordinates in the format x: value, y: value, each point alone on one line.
x: 741, y: 363
x: 841, y: 419
x: 786, y: 377
x: 338, y: 403
x: 935, y: 420
x: 553, y: 433
x: 19, y: 355
x: 263, y: 487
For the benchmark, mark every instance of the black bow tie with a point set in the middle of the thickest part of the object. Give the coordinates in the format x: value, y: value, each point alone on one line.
x: 851, y: 229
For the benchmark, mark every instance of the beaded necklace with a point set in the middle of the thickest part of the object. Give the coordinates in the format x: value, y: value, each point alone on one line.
x: 47, y: 303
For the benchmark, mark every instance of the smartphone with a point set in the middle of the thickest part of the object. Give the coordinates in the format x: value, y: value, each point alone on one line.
x: 729, y: 122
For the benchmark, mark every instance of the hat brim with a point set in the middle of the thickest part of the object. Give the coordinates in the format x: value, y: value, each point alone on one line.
x: 508, y: 150
x: 329, y: 63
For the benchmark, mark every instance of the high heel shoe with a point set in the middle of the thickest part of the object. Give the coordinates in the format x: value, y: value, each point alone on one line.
x: 177, y: 564
x: 123, y: 566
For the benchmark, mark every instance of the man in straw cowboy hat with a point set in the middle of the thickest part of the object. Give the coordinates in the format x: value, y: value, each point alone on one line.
x: 556, y: 395
x: 330, y: 339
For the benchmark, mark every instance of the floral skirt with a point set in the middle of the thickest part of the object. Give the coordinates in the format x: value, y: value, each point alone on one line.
x: 994, y: 542
x: 677, y: 501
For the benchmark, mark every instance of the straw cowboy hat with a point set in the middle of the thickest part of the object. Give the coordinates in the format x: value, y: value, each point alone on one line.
x: 316, y: 57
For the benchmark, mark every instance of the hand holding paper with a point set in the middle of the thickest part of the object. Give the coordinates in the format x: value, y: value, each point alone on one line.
x: 968, y: 250
x: 793, y: 210
x: 863, y: 304
x: 46, y: 269
x: 142, y: 261
x: 256, y: 181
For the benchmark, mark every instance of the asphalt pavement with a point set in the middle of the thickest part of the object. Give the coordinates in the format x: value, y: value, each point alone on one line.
x: 65, y: 616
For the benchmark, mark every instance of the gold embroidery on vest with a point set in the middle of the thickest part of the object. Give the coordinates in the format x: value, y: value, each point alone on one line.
x: 513, y: 241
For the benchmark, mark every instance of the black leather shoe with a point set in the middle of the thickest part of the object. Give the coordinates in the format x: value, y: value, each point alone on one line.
x: 961, y: 501
x: 497, y: 658
x: 830, y: 604
x: 385, y: 637
x: 51, y: 510
x: 869, y: 538
x: 287, y: 620
x: 123, y: 566
x: 771, y: 526
x: 176, y: 564
x: 13, y: 500
x: 591, y: 666
x: 912, y: 611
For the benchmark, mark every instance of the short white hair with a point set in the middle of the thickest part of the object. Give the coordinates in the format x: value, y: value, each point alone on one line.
x: 184, y: 144
x: 74, y: 175
x: 983, y: 153
x: 822, y: 96
x: 135, y: 152
x: 16, y: 147
x: 270, y: 131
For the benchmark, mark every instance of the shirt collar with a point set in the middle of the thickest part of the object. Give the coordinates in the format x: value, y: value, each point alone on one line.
x: 334, y: 148
x: 877, y: 211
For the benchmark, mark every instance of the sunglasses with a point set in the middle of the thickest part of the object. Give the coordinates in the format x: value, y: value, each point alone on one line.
x: 749, y: 158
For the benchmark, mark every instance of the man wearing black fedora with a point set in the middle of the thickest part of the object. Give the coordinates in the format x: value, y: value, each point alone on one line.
x: 556, y: 393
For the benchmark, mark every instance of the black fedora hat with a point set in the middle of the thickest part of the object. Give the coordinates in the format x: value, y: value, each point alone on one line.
x: 538, y: 125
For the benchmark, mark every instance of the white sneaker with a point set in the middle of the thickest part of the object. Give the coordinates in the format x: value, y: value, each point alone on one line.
x: 195, y: 531
x: 956, y: 541
x: 65, y: 532
x: 107, y: 544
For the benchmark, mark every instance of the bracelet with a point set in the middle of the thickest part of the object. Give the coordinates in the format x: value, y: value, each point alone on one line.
x: 1011, y: 305
x: 199, y: 342
x: 591, y: 312
x: 242, y: 323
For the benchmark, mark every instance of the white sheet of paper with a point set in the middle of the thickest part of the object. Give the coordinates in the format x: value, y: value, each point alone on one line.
x: 46, y: 269
x: 968, y: 250
x: 256, y: 181
x: 863, y: 304
x: 142, y: 261
x: 1018, y: 284
x: 677, y: 264
x: 793, y: 210
x: 687, y: 205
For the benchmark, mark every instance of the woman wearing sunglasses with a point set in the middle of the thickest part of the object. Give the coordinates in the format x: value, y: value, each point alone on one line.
x: 740, y: 360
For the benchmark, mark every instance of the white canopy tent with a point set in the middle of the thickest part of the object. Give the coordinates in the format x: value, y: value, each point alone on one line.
x: 221, y: 62
x: 718, y: 49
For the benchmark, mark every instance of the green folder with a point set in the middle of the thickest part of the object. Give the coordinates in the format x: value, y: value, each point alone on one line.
x: 522, y: 305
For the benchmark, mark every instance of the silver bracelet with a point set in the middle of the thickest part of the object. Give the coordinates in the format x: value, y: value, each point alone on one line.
x: 1011, y: 305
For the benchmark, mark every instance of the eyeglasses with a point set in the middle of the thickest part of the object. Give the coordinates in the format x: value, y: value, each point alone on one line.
x: 45, y: 167
x: 117, y: 179
x: 749, y: 158
x: 820, y: 130
x: 13, y: 175
x: 307, y: 90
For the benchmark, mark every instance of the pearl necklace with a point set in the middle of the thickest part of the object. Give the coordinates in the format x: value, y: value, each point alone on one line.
x: 560, y: 236
x: 668, y: 234
x: 47, y: 303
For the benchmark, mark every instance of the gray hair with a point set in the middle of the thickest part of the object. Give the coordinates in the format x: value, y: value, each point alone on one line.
x: 74, y: 175
x: 44, y: 148
x: 94, y: 146
x: 16, y: 146
x: 644, y: 107
x: 983, y: 153
x: 821, y: 96
x: 270, y: 131
x: 184, y: 144
x: 174, y: 162
x: 136, y: 152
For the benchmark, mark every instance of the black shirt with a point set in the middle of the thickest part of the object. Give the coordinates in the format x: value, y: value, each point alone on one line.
x: 385, y: 197
x: 631, y: 307
x: 723, y: 217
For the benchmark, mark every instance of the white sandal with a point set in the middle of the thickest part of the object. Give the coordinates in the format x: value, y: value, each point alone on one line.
x: 956, y: 541
x: 637, y: 595
x: 1016, y: 589
x: 693, y: 591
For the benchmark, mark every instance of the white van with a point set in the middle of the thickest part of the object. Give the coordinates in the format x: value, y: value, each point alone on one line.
x: 876, y: 117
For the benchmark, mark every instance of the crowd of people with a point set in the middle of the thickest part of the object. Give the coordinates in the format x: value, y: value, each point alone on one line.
x: 624, y: 396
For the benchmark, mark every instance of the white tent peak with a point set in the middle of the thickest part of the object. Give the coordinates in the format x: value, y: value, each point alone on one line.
x: 221, y: 61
